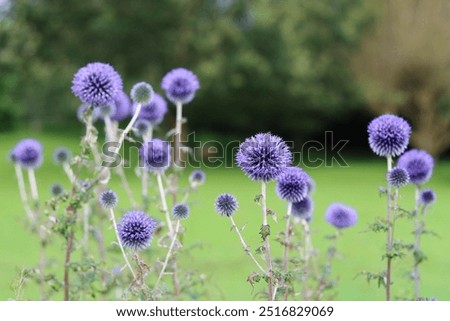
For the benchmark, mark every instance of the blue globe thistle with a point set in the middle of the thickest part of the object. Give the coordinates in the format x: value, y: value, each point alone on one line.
x: 427, y: 197
x: 388, y: 135
x: 419, y: 165
x: 141, y: 127
x: 154, y: 111
x: 136, y: 229
x: 56, y: 189
x: 197, y: 177
x: 123, y: 107
x: 180, y: 211
x: 398, y: 177
x: 292, y: 184
x: 155, y: 155
x: 226, y: 204
x: 341, y: 216
x: 180, y: 85
x: 62, y: 155
x: 108, y: 199
x: 303, y: 209
x: 263, y: 156
x: 311, y: 184
x: 28, y: 153
x: 97, y: 84
x: 142, y: 93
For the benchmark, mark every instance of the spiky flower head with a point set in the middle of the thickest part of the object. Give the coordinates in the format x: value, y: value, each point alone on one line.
x: 398, y: 177
x: 311, y: 184
x: 108, y: 199
x: 303, y: 209
x: 263, y: 157
x: 97, y: 84
x: 141, y: 127
x: 136, y: 229
x: 154, y: 111
x: 56, y: 189
x: 28, y: 153
x: 180, y: 211
x: 292, y: 184
x: 427, y: 197
x: 419, y: 165
x: 197, y: 177
x: 155, y: 155
x: 388, y: 135
x: 180, y: 85
x: 142, y: 93
x: 123, y: 107
x: 341, y: 216
x: 62, y: 155
x: 226, y: 204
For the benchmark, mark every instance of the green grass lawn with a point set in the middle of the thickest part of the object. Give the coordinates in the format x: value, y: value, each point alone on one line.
x: 221, y: 257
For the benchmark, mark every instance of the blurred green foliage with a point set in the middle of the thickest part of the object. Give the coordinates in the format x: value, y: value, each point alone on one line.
x: 263, y: 65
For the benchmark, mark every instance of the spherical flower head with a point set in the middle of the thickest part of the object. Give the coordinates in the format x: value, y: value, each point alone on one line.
x: 389, y: 135
x: 180, y: 211
x: 28, y: 153
x: 292, y: 184
x: 398, y: 177
x: 226, y: 204
x: 197, y: 177
x: 311, y: 184
x: 97, y: 84
x: 180, y: 85
x: 263, y: 157
x: 142, y: 93
x: 62, y: 155
x: 341, y: 215
x: 154, y: 111
x: 155, y: 155
x: 123, y: 107
x: 419, y: 165
x: 136, y: 229
x: 56, y: 189
x: 108, y: 199
x: 141, y: 127
x: 303, y: 209
x: 427, y: 197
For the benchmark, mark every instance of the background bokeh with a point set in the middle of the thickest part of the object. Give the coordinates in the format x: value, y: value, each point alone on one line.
x: 296, y: 68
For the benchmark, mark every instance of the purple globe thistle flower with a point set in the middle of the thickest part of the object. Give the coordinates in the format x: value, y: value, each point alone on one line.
x: 28, y: 153
x: 341, y: 216
x: 155, y: 155
x: 123, y: 107
x: 427, y: 197
x: 97, y: 84
x: 419, y: 165
x: 226, y: 204
x: 398, y: 177
x: 108, y: 199
x: 142, y: 93
x: 180, y: 211
x: 180, y: 85
x: 388, y: 135
x: 197, y: 177
x: 292, y: 184
x: 263, y: 156
x: 56, y: 189
x: 136, y: 229
x: 154, y: 111
x: 303, y: 209
x: 62, y: 155
x: 311, y: 185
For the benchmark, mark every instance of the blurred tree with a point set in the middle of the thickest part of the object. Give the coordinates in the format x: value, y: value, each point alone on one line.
x: 404, y: 65
x: 264, y: 65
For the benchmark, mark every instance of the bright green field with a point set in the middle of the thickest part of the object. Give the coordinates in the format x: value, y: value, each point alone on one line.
x: 221, y: 257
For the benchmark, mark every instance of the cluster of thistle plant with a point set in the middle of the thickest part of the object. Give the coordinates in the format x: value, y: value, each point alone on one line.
x: 389, y: 137
x: 142, y: 262
x: 301, y: 273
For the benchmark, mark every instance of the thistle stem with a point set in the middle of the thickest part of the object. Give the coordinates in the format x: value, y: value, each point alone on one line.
x: 165, y: 209
x: 23, y: 193
x: 417, y: 234
x: 33, y: 185
x: 113, y: 220
x: 389, y: 235
x: 245, y: 246
x: 69, y: 172
x: 129, y: 127
x: 144, y: 173
x: 86, y: 210
x: 177, y: 135
x: 307, y: 255
x: 67, y: 265
x: 287, y: 245
x: 267, y: 243
x: 169, y: 253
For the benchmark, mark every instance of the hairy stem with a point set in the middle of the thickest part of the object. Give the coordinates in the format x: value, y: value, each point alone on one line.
x: 69, y: 172
x: 169, y: 253
x: 165, y: 209
x: 267, y: 243
x: 307, y: 254
x: 67, y: 265
x: 287, y: 245
x: 389, y: 235
x: 23, y: 193
x: 177, y: 135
